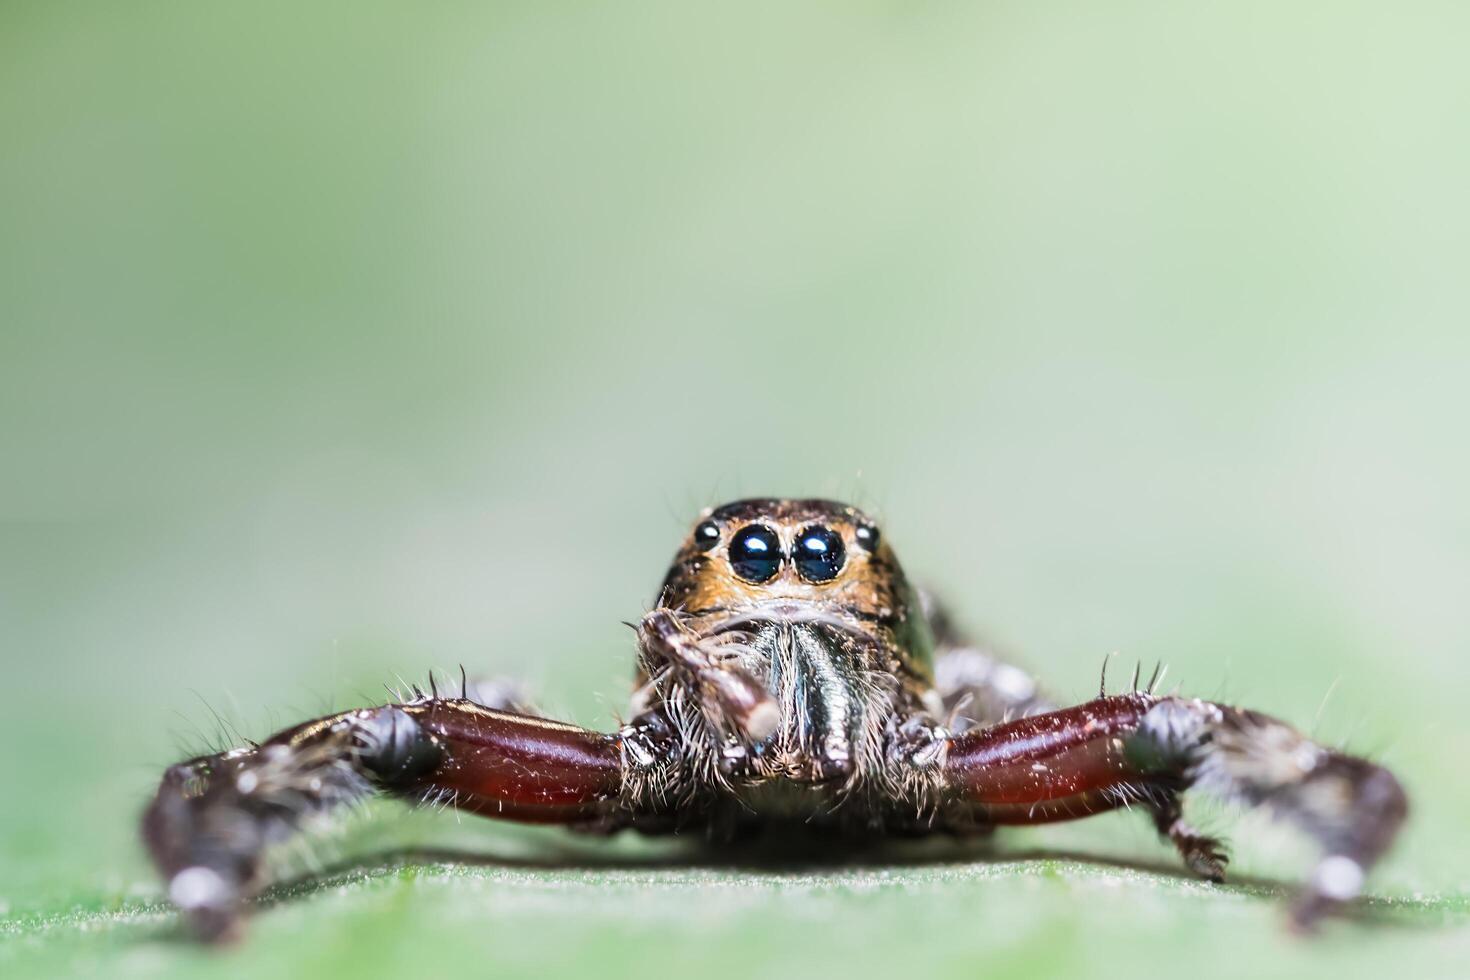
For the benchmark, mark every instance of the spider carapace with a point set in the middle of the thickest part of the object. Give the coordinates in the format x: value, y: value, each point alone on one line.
x: 788, y: 673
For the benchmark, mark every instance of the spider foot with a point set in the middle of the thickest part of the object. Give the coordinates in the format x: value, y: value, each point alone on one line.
x: 1335, y: 881
x: 1203, y: 855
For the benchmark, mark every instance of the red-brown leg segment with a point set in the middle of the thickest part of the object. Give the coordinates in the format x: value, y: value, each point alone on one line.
x: 213, y: 817
x: 516, y: 767
x: 1138, y: 748
x: 1057, y: 766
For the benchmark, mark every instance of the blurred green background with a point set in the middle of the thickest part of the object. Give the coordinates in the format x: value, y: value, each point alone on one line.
x: 342, y: 341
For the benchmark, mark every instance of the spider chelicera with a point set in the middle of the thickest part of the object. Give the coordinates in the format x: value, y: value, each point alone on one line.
x: 788, y: 674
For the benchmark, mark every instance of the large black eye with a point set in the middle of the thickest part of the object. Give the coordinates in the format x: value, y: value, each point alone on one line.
x: 707, y: 535
x: 867, y: 537
x: 819, y: 554
x: 755, y: 553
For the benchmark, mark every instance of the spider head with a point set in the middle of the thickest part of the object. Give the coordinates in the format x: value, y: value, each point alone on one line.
x: 784, y: 561
x: 767, y: 550
x: 806, y: 600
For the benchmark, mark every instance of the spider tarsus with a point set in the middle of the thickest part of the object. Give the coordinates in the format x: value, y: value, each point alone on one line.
x: 1202, y: 854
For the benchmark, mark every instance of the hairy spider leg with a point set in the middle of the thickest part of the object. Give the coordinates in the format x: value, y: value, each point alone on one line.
x: 1115, y: 751
x: 213, y: 817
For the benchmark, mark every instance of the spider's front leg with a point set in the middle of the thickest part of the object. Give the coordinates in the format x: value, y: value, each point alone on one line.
x: 213, y: 817
x: 1116, y: 751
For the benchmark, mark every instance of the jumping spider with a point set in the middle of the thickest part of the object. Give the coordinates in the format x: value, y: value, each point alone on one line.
x: 788, y: 674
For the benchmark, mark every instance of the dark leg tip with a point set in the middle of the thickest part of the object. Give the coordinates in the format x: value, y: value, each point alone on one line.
x: 210, y: 903
x: 1307, y: 912
x: 1205, y: 856
x: 216, y: 927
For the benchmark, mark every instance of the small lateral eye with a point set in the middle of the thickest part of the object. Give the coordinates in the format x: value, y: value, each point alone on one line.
x: 755, y: 553
x: 707, y: 535
x: 819, y: 553
x: 867, y: 537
